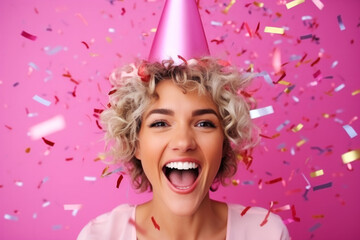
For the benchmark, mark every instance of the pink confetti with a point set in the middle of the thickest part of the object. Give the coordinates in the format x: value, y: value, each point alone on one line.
x: 319, y: 4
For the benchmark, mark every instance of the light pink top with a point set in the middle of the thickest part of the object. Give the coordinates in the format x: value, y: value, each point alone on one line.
x: 115, y: 225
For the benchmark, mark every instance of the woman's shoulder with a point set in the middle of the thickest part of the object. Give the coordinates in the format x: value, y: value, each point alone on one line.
x: 255, y: 223
x: 110, y: 224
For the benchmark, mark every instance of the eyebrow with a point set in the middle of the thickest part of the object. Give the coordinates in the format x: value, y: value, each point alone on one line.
x: 195, y: 113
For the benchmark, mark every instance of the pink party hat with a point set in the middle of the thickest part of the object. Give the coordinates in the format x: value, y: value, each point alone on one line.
x: 180, y: 33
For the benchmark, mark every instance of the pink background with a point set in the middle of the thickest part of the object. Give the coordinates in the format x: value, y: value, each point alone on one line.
x: 35, y: 185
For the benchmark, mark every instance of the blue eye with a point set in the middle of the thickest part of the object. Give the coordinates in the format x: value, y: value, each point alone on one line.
x: 206, y: 124
x: 158, y: 124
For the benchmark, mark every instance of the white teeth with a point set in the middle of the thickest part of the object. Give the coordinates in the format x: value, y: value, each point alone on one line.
x: 182, y: 165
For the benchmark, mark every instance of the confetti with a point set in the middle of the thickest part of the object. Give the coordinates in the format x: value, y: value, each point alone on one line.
x: 279, y: 179
x: 355, y: 92
x: 10, y: 217
x: 53, y: 51
x: 294, y: 3
x: 28, y: 35
x: 322, y: 186
x: 281, y: 126
x: 350, y: 131
x: 316, y: 226
x: 318, y: 216
x: 260, y: 112
x: 297, y: 128
x: 301, y: 142
x: 41, y: 100
x: 306, y: 36
x: 293, y: 213
x: 350, y: 156
x: 341, y: 24
x: 19, y: 183
x: 243, y: 212
x: 47, y: 127
x: 334, y: 64
x: 226, y: 10
x: 215, y: 23
x: 258, y: 4
x: 155, y: 223
x: 274, y: 30
x: 86, y: 45
x: 33, y: 65
x: 90, y: 179
x: 317, y: 173
x: 46, y: 204
x: 50, y: 143
x: 318, y: 4
x: 119, y: 181
x: 338, y: 88
x: 72, y: 207
x: 267, y: 215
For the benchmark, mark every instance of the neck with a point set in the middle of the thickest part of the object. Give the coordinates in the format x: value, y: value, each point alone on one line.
x: 208, y: 220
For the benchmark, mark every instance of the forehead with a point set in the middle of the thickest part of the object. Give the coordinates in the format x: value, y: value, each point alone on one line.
x: 169, y: 94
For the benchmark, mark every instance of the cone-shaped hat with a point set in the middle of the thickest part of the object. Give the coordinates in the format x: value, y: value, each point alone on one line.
x: 180, y: 32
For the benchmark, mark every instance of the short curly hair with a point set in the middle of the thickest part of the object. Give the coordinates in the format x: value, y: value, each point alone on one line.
x: 134, y: 87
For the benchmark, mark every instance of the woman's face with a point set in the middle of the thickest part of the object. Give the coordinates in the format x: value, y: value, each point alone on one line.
x: 180, y: 147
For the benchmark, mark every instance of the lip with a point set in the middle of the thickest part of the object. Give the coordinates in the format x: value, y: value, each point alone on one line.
x: 190, y: 188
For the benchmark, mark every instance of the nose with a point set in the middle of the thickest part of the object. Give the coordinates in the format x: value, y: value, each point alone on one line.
x: 183, y: 139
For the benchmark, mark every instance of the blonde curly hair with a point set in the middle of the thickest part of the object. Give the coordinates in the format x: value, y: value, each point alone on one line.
x: 134, y: 88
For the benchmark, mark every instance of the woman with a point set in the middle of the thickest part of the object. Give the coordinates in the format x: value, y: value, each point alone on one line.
x: 178, y: 129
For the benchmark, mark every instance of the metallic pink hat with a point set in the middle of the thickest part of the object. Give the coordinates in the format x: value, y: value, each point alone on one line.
x: 180, y: 32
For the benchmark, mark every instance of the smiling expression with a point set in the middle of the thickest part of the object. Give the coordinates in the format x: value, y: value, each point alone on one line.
x: 180, y: 147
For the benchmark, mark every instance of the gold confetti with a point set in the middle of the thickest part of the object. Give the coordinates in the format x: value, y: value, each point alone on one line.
x: 294, y: 3
x: 350, y: 156
x: 258, y: 4
x: 318, y: 216
x: 226, y: 10
x: 297, y: 128
x: 108, y: 39
x: 27, y: 150
x: 355, y: 92
x: 282, y: 82
x: 301, y: 142
x: 317, y: 173
x: 235, y: 182
x: 153, y: 30
x: 275, y: 30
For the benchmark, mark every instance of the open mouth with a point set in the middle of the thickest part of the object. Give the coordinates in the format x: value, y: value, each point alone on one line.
x: 181, y: 175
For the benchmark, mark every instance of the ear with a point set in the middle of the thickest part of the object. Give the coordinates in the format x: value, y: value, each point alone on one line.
x: 137, y: 151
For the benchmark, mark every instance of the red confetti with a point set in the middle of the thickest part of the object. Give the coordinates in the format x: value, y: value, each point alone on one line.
x: 98, y: 125
x: 155, y: 223
x: 28, y: 36
x: 274, y: 180
x: 267, y: 215
x: 315, y: 75
x: 98, y: 110
x: 183, y: 59
x: 217, y: 41
x: 86, y: 45
x: 315, y: 62
x: 56, y: 99
x: 119, y: 181
x: 293, y: 212
x: 112, y: 92
x: 248, y: 29
x: 123, y: 11
x: 245, y: 210
x: 69, y: 159
x: 48, y: 142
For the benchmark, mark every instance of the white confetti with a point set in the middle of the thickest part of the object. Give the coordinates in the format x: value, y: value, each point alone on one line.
x: 338, y: 88
x: 11, y: 217
x: 87, y: 178
x: 260, y: 112
x: 350, y: 131
x: 47, y: 127
x: 41, y: 100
